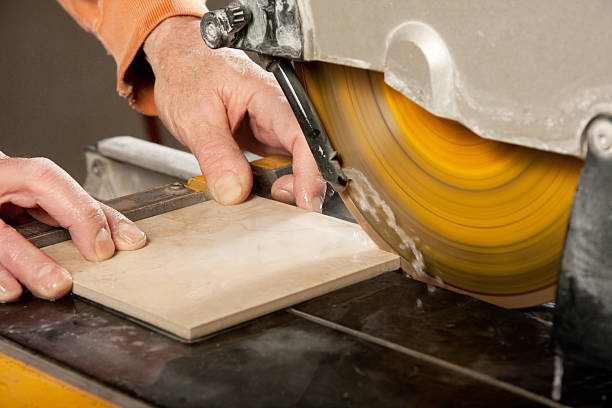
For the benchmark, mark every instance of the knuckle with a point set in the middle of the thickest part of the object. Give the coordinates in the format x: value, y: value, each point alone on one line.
x: 10, y: 248
x: 81, y: 206
x: 11, y: 162
x: 113, y: 215
x: 91, y: 213
x: 44, y: 168
x: 215, y: 157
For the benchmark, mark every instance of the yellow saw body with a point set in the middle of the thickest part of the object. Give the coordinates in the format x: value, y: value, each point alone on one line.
x: 474, y: 215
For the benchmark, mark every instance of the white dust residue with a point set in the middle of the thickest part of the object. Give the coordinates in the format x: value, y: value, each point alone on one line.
x: 370, y: 201
x: 557, y: 384
x: 363, y: 238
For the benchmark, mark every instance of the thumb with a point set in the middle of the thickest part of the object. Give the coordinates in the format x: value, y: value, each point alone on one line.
x: 226, y: 170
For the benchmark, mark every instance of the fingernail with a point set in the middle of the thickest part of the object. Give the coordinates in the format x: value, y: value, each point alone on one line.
x: 227, y: 189
x: 316, y: 204
x: 52, y: 282
x: 285, y: 196
x: 105, y: 248
x: 129, y: 236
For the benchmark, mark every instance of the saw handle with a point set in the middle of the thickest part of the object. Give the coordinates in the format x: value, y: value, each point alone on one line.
x: 306, y: 115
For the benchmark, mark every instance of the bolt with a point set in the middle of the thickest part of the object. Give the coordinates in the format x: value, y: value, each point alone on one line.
x: 604, y: 140
x: 599, y: 132
x: 97, y: 168
x: 176, y: 186
x: 220, y: 27
x: 212, y: 31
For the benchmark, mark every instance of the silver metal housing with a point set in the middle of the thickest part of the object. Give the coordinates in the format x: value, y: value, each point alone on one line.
x: 532, y: 73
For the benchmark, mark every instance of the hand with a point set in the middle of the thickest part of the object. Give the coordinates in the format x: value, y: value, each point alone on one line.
x: 206, y: 97
x: 45, y: 191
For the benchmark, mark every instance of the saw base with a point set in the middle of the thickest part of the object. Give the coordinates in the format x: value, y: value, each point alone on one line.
x: 283, y: 358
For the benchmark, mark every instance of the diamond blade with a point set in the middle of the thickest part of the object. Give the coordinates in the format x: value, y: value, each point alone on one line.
x: 476, y: 215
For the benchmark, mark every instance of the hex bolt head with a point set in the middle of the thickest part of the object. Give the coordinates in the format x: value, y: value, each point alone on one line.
x: 214, y: 29
x: 219, y: 27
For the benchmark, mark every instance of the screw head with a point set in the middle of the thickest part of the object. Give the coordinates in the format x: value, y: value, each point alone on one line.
x: 97, y: 168
x: 600, y: 134
x: 212, y: 31
x: 604, y: 140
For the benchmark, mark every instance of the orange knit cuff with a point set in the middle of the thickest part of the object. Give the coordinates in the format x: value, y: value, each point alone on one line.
x: 124, y: 27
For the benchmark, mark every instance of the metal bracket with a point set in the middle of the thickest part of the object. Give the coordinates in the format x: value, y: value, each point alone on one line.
x: 583, y: 316
x: 220, y: 28
x: 276, y: 28
x: 325, y: 156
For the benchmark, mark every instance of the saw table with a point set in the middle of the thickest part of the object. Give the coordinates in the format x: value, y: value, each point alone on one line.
x: 388, y: 341
x: 475, y: 140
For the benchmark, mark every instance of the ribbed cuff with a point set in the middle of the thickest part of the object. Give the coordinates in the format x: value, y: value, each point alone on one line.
x: 124, y: 27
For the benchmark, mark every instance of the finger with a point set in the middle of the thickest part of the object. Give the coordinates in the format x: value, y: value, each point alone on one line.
x: 282, y: 189
x: 308, y: 186
x: 32, y: 267
x: 42, y: 216
x: 39, y: 182
x: 223, y: 165
x: 10, y: 289
x: 126, y: 235
x: 243, y: 135
x: 274, y: 122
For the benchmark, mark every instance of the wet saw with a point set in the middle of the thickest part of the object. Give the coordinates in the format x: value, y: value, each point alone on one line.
x: 472, y: 138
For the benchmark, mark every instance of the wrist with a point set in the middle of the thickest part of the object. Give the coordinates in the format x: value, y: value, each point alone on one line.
x: 172, y: 36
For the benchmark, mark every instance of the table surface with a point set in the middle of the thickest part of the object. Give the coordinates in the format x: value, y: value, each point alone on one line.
x: 388, y: 341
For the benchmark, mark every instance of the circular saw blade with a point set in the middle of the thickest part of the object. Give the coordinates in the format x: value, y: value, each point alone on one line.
x: 476, y: 215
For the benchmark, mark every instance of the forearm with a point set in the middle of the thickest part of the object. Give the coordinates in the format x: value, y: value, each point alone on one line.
x: 123, y: 26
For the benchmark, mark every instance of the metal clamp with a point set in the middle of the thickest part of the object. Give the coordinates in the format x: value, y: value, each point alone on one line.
x: 316, y: 136
x: 583, y: 314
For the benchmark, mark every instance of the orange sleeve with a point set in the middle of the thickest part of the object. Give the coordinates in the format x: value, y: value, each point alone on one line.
x: 122, y: 26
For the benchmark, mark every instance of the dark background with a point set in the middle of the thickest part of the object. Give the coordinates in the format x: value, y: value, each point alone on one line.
x: 58, y: 87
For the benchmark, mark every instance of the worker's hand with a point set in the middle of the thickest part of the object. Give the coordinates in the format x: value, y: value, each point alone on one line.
x: 45, y: 191
x: 203, y: 95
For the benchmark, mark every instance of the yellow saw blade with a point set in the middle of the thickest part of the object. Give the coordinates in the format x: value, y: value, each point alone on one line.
x: 472, y: 214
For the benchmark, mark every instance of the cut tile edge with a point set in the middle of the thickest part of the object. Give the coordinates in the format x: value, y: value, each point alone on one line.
x: 142, y: 316
x: 392, y: 264
x: 130, y: 311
